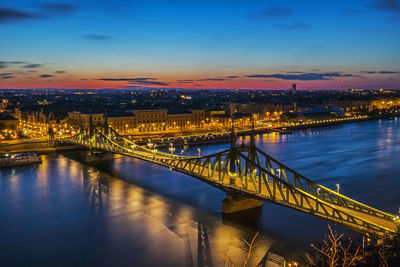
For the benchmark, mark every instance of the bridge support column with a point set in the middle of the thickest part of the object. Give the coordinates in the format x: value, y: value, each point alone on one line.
x: 235, y: 203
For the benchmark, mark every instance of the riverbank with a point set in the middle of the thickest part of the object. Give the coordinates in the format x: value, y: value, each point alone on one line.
x: 42, y: 146
x: 39, y: 147
x: 332, y: 122
x: 323, y: 123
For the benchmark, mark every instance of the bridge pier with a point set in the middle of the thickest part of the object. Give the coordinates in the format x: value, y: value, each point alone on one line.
x: 235, y: 203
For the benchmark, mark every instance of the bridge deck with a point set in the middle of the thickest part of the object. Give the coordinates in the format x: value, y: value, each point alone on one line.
x: 264, y: 184
x: 382, y: 222
x: 251, y: 190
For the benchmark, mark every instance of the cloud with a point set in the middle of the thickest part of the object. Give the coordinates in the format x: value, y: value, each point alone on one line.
x: 294, y: 72
x: 32, y: 66
x: 46, y: 76
x: 185, y: 81
x: 47, y: 10
x: 388, y: 5
x: 120, y: 79
x: 226, y: 78
x: 5, y: 64
x: 6, y: 75
x: 294, y: 26
x: 137, y: 81
x: 388, y: 72
x: 10, y: 15
x: 276, y: 11
x: 380, y: 72
x: 304, y: 76
x: 211, y: 79
x: 147, y: 82
x: 96, y: 37
x: 57, y: 8
x: 60, y: 71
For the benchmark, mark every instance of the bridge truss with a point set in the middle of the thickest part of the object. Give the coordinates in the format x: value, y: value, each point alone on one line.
x: 249, y: 171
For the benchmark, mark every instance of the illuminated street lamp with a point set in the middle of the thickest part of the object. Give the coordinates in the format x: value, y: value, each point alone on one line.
x: 171, y: 148
x: 319, y: 191
x: 338, y: 187
x: 199, y: 151
x: 150, y: 145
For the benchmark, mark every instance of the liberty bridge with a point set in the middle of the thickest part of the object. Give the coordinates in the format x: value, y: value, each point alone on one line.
x: 249, y: 176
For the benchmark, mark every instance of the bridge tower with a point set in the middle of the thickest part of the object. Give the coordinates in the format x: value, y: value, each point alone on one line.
x: 233, y: 158
x: 233, y: 201
x: 106, y: 126
x: 91, y: 126
x: 252, y: 151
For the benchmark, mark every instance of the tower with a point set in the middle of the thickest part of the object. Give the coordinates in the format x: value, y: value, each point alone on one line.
x: 293, y: 88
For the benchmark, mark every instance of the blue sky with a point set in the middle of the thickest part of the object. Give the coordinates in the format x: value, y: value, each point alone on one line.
x: 264, y: 44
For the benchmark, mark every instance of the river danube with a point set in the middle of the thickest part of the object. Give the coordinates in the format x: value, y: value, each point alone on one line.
x: 126, y: 212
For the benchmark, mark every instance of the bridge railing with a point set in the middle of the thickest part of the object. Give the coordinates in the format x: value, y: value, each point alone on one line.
x: 258, y: 174
x: 311, y: 187
x: 283, y: 192
x: 261, y: 182
x: 126, y: 142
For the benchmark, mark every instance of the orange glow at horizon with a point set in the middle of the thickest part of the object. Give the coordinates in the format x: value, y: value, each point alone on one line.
x: 221, y: 81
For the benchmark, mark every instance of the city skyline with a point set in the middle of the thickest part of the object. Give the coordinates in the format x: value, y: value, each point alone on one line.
x: 209, y: 45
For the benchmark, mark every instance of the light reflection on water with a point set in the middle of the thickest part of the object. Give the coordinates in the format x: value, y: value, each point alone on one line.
x: 67, y: 213
x: 129, y: 212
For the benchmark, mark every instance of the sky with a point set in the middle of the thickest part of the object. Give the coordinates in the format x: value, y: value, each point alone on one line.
x: 248, y: 44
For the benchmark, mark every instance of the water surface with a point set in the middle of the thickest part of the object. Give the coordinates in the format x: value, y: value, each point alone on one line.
x: 126, y: 212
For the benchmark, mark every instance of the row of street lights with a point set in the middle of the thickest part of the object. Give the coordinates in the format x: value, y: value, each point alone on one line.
x: 171, y: 149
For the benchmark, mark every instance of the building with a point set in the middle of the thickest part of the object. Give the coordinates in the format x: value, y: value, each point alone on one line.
x: 77, y: 119
x: 241, y: 119
x: 153, y: 120
x: 261, y: 111
x: 39, y: 123
x: 322, y: 113
x: 221, y: 120
x: 385, y: 103
x: 8, y: 122
x: 3, y: 104
x: 122, y: 124
x: 144, y: 121
x: 293, y: 88
x: 186, y: 119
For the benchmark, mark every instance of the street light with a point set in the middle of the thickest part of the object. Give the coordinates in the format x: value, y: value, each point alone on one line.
x: 171, y: 148
x: 150, y: 145
x: 199, y: 151
x: 338, y: 187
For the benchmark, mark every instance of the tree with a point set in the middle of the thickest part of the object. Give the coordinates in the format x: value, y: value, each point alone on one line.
x: 334, y: 252
x: 249, y: 249
x: 384, y: 254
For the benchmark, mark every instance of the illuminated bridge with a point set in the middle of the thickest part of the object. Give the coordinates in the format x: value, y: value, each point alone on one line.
x: 249, y: 176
